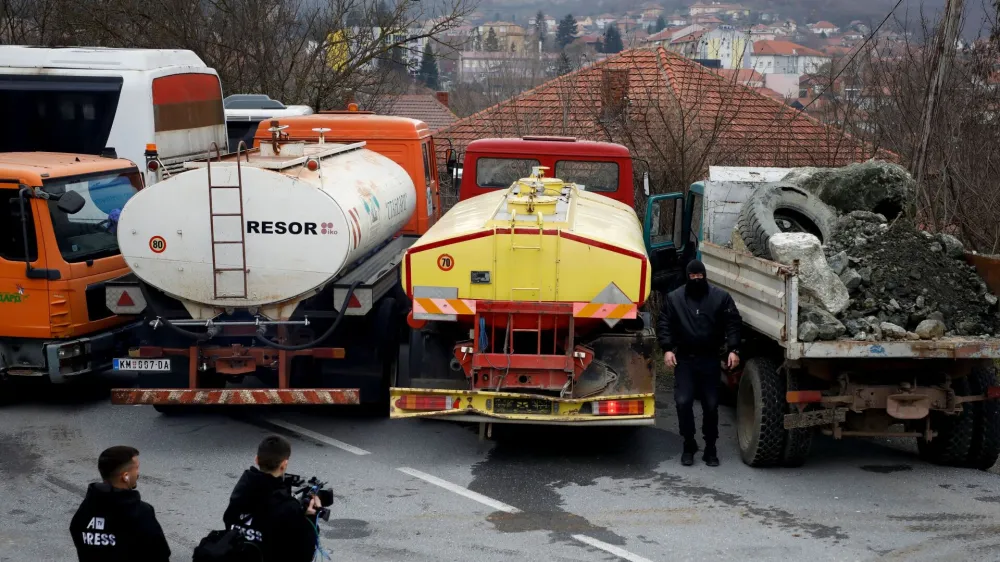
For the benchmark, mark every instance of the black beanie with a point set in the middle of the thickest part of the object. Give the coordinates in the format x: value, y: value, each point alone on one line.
x: 695, y: 266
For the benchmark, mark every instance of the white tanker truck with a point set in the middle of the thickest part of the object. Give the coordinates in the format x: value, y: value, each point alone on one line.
x: 281, y: 263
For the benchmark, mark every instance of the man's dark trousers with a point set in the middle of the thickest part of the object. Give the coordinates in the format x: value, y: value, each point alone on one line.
x: 697, y: 376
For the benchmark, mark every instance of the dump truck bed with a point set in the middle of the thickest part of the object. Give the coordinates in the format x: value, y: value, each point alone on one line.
x: 767, y: 295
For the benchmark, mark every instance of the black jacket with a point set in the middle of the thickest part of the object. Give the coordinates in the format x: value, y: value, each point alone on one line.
x: 114, y: 525
x: 262, y: 508
x: 698, y: 327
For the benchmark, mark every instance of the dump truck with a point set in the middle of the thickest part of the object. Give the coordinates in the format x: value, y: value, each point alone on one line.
x: 58, y: 248
x: 942, y: 392
x: 526, y: 309
x: 277, y: 269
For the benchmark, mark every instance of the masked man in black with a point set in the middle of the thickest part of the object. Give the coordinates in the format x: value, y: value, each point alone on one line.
x: 695, y: 321
x: 264, y: 511
x: 113, y: 524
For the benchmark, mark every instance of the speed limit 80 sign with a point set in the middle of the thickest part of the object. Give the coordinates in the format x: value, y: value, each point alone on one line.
x: 157, y: 244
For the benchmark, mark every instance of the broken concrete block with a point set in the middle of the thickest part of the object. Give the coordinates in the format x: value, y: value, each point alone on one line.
x: 952, y: 246
x: 816, y: 279
x: 808, y: 332
x: 912, y: 336
x: 829, y: 327
x: 851, y: 279
x: 868, y: 186
x: 838, y: 262
x: 990, y: 299
x: 892, y: 331
x: 930, y: 329
x: 935, y: 247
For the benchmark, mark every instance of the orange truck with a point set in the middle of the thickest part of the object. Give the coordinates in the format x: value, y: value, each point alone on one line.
x: 58, y: 247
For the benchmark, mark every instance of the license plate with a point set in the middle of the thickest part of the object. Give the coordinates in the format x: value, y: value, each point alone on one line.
x: 142, y: 365
x: 521, y: 406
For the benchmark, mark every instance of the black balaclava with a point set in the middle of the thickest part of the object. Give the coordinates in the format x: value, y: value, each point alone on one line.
x: 696, y: 288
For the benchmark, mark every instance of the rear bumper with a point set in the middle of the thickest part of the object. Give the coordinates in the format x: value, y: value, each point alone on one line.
x: 478, y: 406
x: 236, y: 397
x: 71, y: 358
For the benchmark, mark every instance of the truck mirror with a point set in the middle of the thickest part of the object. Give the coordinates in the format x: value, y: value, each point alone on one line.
x: 645, y: 183
x: 71, y: 202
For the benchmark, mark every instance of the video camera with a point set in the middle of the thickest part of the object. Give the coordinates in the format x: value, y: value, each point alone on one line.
x: 309, y: 488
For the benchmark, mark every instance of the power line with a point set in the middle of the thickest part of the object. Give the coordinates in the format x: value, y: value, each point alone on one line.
x: 857, y: 52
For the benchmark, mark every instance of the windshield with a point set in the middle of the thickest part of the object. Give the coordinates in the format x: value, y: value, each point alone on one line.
x: 593, y: 176
x: 92, y: 233
x: 502, y: 172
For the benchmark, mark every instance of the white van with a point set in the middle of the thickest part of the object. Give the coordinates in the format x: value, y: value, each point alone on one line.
x: 89, y: 100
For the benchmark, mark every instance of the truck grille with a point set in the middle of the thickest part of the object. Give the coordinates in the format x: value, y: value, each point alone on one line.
x: 97, y: 308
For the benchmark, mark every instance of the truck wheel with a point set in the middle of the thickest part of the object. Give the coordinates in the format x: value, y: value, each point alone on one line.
x: 797, y: 441
x: 985, y: 447
x: 953, y: 442
x: 760, y: 409
x: 782, y: 208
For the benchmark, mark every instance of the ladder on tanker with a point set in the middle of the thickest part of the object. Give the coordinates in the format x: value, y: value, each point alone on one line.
x: 225, y: 215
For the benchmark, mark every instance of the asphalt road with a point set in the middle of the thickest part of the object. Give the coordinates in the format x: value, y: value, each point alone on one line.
x: 429, y: 490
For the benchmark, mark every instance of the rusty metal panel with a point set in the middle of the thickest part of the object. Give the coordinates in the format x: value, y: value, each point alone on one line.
x: 814, y: 418
x: 758, y: 287
x: 988, y: 268
x: 237, y: 396
x: 951, y: 348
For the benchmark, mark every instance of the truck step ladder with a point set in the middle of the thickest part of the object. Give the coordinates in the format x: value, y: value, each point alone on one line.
x: 229, y: 253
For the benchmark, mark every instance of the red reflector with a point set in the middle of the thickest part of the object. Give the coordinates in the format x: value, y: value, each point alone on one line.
x: 313, y: 165
x: 619, y: 408
x: 803, y: 396
x: 153, y: 165
x: 993, y: 392
x: 125, y: 300
x: 354, y: 302
x: 413, y: 322
x: 425, y: 403
x: 150, y: 352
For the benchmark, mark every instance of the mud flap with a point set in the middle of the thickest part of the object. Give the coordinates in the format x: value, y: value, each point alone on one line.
x: 622, y: 365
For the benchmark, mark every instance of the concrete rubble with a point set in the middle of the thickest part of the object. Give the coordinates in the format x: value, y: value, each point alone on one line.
x: 878, y: 279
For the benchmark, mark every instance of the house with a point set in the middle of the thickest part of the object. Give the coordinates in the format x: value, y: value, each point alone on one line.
x: 822, y: 27
x: 604, y: 20
x: 761, y: 32
x: 732, y: 10
x: 642, y: 97
x: 510, y: 36
x: 687, y: 45
x: 785, y: 57
x: 661, y: 38
x: 706, y: 20
x: 726, y: 44
x: 677, y: 21
x: 484, y: 67
x: 430, y: 108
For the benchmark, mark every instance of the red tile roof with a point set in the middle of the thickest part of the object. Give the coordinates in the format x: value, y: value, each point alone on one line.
x: 667, y: 93
x: 783, y: 48
x: 739, y: 76
x: 823, y: 25
x: 424, y: 107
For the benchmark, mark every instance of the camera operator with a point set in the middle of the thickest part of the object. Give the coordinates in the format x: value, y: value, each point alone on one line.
x: 264, y: 511
x: 113, y: 523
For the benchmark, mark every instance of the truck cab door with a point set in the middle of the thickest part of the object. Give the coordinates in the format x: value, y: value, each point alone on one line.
x: 668, y: 248
x: 24, y: 299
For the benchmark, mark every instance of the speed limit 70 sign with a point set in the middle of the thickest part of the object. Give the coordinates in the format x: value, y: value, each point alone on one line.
x: 157, y: 244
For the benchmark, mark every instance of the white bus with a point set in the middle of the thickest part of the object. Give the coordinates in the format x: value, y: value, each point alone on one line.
x: 90, y: 100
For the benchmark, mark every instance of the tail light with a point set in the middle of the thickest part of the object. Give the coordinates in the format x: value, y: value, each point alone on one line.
x: 803, y: 396
x: 993, y: 392
x: 619, y: 408
x: 427, y: 403
x: 153, y: 165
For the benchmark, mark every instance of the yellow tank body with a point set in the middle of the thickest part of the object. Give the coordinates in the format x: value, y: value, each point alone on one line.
x: 539, y: 240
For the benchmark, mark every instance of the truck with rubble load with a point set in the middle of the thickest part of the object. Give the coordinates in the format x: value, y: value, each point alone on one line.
x: 276, y: 269
x: 864, y: 373
x: 57, y: 251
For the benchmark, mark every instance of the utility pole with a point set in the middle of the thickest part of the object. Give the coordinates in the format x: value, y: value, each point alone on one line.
x: 944, y: 52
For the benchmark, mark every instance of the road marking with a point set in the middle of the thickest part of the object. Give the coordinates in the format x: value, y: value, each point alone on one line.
x: 611, y: 549
x: 318, y: 436
x: 497, y: 505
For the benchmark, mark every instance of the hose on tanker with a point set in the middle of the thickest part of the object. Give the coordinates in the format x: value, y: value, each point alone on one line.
x: 329, y: 332
x: 197, y: 336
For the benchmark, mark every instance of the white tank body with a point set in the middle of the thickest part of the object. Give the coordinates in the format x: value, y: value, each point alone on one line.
x: 296, y: 228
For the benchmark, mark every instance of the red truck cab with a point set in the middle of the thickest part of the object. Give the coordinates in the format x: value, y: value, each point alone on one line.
x: 600, y: 167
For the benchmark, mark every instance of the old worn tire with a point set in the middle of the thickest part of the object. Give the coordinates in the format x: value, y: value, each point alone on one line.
x: 985, y: 447
x: 757, y: 220
x: 760, y: 410
x: 954, y: 440
x: 797, y: 441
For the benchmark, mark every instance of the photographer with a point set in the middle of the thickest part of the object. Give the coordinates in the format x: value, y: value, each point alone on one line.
x: 264, y: 511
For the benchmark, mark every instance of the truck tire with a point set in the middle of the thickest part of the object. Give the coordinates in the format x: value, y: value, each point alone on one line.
x: 794, y: 208
x: 760, y: 410
x: 953, y: 442
x: 985, y: 447
x: 797, y: 441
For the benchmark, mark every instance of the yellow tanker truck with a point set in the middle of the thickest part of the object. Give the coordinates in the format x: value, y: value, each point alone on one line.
x: 527, y: 308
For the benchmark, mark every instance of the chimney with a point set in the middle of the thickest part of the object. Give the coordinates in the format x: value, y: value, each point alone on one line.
x: 614, y: 91
x: 442, y: 97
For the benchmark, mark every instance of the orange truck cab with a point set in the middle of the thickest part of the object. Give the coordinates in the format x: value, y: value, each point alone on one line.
x: 58, y: 245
